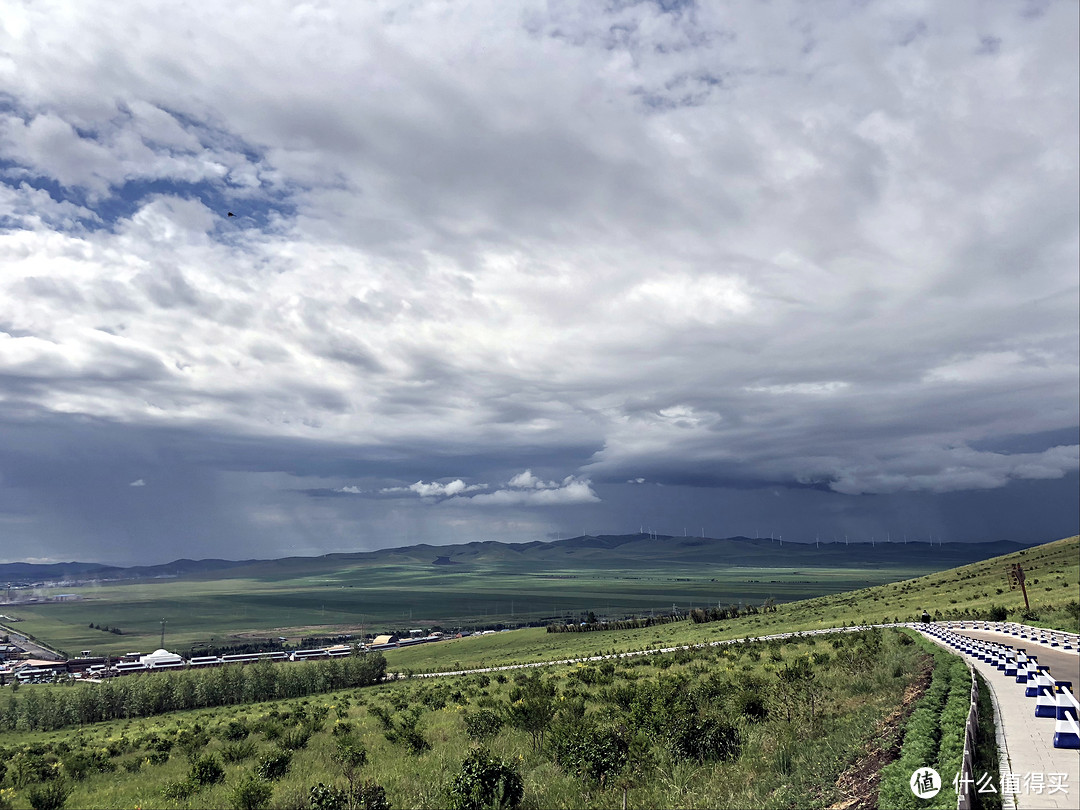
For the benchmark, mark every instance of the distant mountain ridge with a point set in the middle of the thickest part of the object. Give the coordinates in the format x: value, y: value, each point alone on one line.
x: 586, y: 551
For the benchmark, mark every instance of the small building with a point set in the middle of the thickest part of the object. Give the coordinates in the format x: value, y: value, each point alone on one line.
x: 161, y: 659
x: 385, y: 640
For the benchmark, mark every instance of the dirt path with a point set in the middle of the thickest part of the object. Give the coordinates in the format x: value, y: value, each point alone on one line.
x: 859, y: 784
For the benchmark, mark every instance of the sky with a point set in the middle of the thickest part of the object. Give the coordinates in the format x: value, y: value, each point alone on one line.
x: 520, y: 271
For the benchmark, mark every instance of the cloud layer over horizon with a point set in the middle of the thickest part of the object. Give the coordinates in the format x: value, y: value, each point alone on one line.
x: 491, y: 262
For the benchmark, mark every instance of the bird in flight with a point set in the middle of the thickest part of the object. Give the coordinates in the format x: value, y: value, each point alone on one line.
x: 231, y: 214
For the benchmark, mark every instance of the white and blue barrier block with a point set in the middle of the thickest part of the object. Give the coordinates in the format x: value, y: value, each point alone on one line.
x: 1040, y: 677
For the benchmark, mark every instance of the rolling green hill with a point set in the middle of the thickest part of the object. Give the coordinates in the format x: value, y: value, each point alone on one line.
x: 1053, y: 582
x: 468, y: 585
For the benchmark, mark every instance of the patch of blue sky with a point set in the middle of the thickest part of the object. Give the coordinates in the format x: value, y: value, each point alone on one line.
x: 261, y: 210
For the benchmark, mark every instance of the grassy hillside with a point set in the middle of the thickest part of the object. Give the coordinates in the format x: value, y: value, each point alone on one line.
x: 755, y: 725
x: 1053, y: 581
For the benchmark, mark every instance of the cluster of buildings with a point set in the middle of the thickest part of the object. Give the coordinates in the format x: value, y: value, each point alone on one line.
x: 15, y: 668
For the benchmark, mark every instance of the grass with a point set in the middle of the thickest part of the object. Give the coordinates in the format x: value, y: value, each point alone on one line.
x: 221, y: 611
x: 1053, y: 579
x: 781, y: 761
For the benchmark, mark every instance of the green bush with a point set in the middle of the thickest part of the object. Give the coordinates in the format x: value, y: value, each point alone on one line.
x: 191, y: 742
x: 207, y: 770
x: 238, y: 751
x: 296, y: 739
x: 235, y: 731
x: 328, y: 797
x: 80, y: 764
x: 157, y: 757
x: 273, y: 764
x: 370, y: 796
x: 406, y: 733
x: 482, y: 724
x: 50, y: 795
x: 180, y: 789
x: 26, y: 767
x: 251, y: 793
x: 485, y: 781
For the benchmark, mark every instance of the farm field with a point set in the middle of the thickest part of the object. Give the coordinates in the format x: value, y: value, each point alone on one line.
x: 230, y: 610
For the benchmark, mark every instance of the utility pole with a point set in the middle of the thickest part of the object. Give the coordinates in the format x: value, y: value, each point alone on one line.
x: 162, y: 645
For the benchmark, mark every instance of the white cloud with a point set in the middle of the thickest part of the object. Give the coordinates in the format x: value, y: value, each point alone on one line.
x: 762, y: 245
x: 526, y: 480
x: 572, y: 491
x: 437, y: 490
x: 137, y: 483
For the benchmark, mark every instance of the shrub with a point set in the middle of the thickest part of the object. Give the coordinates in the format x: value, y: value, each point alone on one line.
x: 532, y: 707
x: 237, y: 751
x: 296, y: 739
x: 50, y: 795
x: 328, y: 797
x: 370, y: 796
x: 157, y: 757
x: 594, y: 754
x: 207, y: 770
x: 191, y: 742
x: 408, y: 734
x: 26, y: 767
x: 79, y: 764
x: 482, y: 723
x: 485, y: 781
x: 235, y: 731
x: 384, y: 718
x: 273, y: 764
x: 179, y: 790
x: 251, y: 793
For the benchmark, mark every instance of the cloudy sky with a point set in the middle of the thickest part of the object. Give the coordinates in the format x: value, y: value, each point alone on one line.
x: 524, y: 270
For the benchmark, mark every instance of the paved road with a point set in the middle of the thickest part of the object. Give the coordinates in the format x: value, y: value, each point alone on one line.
x: 1064, y: 664
x: 30, y: 646
x: 1029, y: 740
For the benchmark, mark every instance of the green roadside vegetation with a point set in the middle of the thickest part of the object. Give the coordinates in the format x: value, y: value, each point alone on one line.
x: 978, y: 590
x: 934, y: 736
x: 766, y: 724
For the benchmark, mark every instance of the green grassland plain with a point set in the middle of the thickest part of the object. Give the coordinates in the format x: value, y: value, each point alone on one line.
x: 311, y: 597
x: 222, y: 611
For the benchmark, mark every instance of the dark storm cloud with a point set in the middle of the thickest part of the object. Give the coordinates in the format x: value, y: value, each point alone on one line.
x: 818, y: 256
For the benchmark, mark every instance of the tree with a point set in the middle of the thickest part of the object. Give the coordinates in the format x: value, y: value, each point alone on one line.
x: 532, y: 707
x: 798, y: 687
x: 351, y: 755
